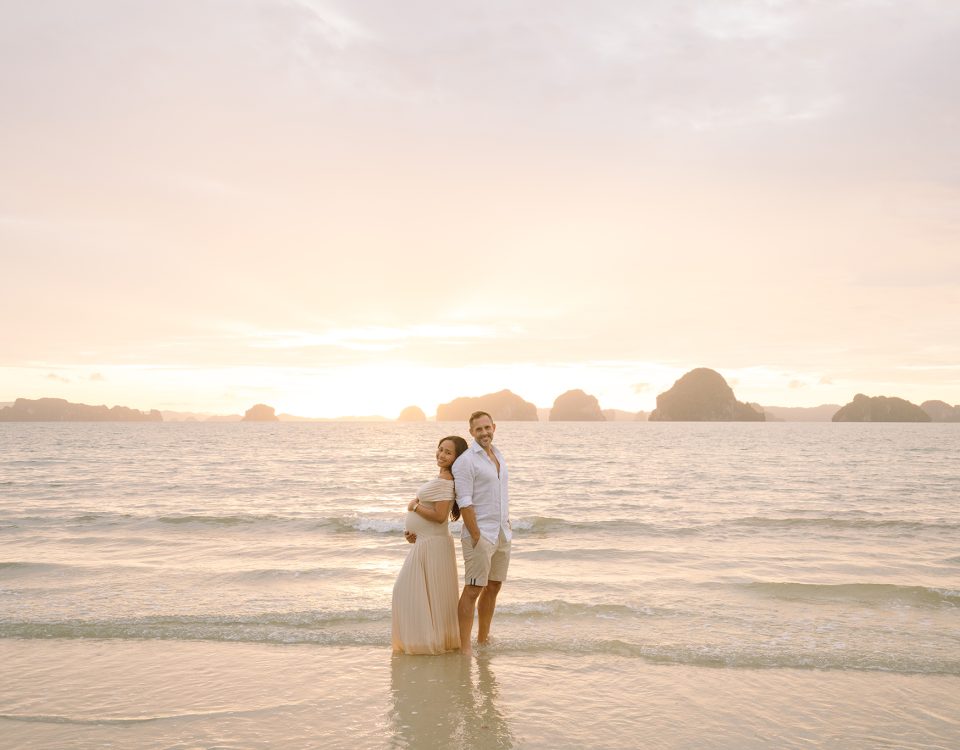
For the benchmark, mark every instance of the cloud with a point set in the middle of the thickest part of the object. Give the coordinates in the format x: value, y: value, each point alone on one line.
x: 334, y: 27
x: 386, y: 150
x: 825, y: 380
x: 641, y: 387
x: 367, y: 338
x: 57, y: 378
x: 97, y: 377
x: 794, y: 384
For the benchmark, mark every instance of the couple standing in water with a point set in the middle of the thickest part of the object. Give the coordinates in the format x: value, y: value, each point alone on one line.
x: 472, y: 485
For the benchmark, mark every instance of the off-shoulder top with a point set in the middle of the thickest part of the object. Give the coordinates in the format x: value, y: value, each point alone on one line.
x: 436, y: 490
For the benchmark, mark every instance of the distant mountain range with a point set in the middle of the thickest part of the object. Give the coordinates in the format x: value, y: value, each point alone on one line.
x: 61, y: 410
x: 506, y: 406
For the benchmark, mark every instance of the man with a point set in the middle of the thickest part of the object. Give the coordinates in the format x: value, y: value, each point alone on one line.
x: 480, y: 479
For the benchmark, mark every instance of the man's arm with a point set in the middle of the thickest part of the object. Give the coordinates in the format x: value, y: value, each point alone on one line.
x: 469, y: 516
x: 462, y: 470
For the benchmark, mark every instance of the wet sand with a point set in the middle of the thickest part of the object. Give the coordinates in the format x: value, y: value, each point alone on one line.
x: 161, y: 694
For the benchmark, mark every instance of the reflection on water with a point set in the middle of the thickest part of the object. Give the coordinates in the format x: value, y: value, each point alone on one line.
x: 446, y: 701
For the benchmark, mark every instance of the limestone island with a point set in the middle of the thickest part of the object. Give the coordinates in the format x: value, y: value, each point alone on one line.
x: 576, y: 406
x: 504, y: 406
x: 880, y: 409
x: 941, y: 411
x: 702, y: 395
x: 61, y: 410
x: 412, y: 414
x: 260, y: 413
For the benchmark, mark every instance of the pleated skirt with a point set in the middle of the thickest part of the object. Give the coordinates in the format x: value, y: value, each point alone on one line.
x: 425, y: 598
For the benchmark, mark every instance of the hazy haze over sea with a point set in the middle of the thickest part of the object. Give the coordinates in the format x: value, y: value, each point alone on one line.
x: 229, y: 584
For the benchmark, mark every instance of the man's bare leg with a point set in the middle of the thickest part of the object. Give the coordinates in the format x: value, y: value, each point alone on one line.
x: 485, y: 607
x: 465, y: 610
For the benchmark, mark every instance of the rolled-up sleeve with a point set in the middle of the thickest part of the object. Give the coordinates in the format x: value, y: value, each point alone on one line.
x: 463, y: 480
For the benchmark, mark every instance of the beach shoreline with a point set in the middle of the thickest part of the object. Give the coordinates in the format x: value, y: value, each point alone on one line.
x: 160, y: 694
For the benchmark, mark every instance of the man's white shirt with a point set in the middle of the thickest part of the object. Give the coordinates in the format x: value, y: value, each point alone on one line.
x: 477, y: 485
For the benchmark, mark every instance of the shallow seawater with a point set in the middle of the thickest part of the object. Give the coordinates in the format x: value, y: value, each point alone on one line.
x: 672, y: 585
x: 155, y: 694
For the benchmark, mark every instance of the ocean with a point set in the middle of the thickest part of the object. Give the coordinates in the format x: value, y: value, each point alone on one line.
x: 675, y: 585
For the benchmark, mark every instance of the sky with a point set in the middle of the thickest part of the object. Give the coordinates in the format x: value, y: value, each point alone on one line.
x: 345, y: 208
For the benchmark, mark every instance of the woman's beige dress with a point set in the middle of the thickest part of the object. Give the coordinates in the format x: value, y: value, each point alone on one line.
x: 425, y: 594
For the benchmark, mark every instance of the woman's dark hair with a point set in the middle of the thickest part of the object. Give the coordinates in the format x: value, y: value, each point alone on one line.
x: 459, y: 446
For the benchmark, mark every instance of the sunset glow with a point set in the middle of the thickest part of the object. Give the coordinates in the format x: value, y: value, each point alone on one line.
x: 343, y: 210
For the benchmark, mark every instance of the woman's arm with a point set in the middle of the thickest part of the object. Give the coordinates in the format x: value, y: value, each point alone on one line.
x: 437, y: 514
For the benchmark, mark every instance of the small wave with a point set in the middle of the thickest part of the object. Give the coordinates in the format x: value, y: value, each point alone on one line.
x: 216, y: 520
x: 94, y: 519
x: 352, y: 523
x: 133, y: 720
x: 865, y: 593
x: 377, y: 525
x: 108, y: 518
x: 540, y: 524
x: 546, y: 525
x: 271, y: 574
x: 88, y: 517
x: 363, y: 524
x: 534, y: 526
x: 559, y: 607
x: 280, y: 627
x: 352, y: 634
x: 372, y: 630
x: 338, y: 524
x: 31, y: 567
x: 744, y: 657
x: 55, y: 719
x: 586, y: 550
x: 267, y: 625
x: 839, y: 523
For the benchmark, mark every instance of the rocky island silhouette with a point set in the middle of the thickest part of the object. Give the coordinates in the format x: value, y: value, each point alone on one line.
x: 880, y: 409
x: 260, y: 413
x: 941, y: 411
x: 576, y: 406
x: 702, y: 395
x: 61, y: 410
x: 412, y: 414
x: 505, y: 406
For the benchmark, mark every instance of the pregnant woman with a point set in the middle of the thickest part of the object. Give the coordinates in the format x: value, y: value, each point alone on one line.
x: 425, y: 594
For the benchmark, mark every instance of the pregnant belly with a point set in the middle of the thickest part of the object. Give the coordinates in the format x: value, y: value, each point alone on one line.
x: 422, y: 527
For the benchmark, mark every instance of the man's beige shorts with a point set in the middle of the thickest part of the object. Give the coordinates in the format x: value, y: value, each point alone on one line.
x: 486, y: 561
